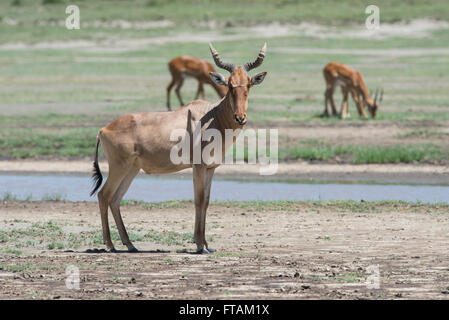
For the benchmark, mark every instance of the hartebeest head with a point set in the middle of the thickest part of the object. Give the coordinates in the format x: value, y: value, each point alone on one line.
x: 239, y: 82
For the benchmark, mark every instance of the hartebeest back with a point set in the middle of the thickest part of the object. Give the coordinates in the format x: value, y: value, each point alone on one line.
x: 143, y: 141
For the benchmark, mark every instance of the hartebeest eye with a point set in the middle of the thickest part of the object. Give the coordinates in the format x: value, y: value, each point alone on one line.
x: 218, y: 79
x: 258, y: 78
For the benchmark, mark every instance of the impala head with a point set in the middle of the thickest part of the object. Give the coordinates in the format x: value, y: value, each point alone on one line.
x: 239, y: 82
x: 372, y: 108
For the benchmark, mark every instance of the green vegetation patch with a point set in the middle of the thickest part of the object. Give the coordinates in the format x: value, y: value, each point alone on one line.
x: 425, y: 152
x: 169, y: 237
x: 29, y: 143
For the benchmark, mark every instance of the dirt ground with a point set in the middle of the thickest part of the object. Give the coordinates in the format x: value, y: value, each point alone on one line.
x: 297, y: 252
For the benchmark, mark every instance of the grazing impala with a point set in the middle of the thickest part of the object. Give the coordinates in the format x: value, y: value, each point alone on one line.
x: 350, y: 81
x: 143, y: 141
x: 185, y: 66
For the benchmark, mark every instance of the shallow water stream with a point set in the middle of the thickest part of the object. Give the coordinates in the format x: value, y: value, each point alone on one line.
x: 154, y: 189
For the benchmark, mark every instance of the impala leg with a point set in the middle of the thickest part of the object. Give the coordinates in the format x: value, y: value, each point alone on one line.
x: 331, y: 98
x: 104, y: 197
x: 362, y: 107
x: 203, y: 94
x: 115, y: 207
x: 169, y: 87
x: 326, y: 101
x: 359, y: 104
x: 199, y: 186
x: 344, y: 105
x: 178, y: 90
x: 200, y: 91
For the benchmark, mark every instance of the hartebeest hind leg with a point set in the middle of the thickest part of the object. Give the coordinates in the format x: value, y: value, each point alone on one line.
x: 105, y: 195
x: 115, y: 207
x: 202, y: 180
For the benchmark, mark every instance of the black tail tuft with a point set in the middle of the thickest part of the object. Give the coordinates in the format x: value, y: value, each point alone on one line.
x: 97, y: 178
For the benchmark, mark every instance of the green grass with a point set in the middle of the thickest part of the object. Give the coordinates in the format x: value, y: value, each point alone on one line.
x: 55, y: 245
x: 352, y: 277
x: 13, y: 251
x: 8, y: 196
x: 157, y: 205
x: 423, y: 133
x: 367, y: 154
x: 169, y: 237
x: 28, y: 143
x: 53, y: 197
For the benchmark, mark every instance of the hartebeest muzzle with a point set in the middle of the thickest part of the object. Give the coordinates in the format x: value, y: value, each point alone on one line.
x: 240, y: 120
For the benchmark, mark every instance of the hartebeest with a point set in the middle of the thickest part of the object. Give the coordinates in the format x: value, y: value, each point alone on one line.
x: 142, y: 141
x: 350, y: 81
x: 199, y: 69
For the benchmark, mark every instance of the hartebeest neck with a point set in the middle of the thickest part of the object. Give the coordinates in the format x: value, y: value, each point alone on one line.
x: 224, y: 115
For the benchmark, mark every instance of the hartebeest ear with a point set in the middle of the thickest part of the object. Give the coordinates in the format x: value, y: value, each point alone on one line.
x: 218, y: 79
x: 258, y: 78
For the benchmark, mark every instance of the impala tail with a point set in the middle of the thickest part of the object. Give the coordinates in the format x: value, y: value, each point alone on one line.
x: 97, y: 178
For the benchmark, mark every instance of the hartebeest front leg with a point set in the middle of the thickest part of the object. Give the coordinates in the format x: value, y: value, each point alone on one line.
x: 209, y: 176
x: 202, y: 179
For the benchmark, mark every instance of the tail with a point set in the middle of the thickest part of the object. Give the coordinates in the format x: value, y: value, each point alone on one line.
x: 97, y: 178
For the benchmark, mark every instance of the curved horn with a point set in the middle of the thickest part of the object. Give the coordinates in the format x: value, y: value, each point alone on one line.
x: 251, y: 65
x: 381, y: 95
x: 375, y: 97
x: 224, y: 65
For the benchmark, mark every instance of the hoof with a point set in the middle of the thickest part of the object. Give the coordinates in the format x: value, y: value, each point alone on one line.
x: 112, y: 250
x: 133, y: 249
x: 210, y: 250
x: 202, y: 251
